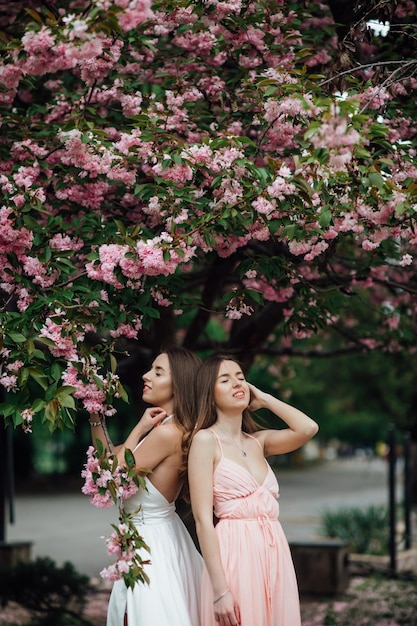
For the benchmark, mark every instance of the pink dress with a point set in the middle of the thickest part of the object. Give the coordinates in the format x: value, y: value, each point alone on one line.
x: 255, y: 553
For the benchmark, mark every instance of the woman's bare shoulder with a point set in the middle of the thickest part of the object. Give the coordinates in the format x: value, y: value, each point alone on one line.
x: 204, y: 437
x: 165, y: 433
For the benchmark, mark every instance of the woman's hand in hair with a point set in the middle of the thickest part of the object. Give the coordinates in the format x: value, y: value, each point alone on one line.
x: 257, y: 398
x: 151, y: 417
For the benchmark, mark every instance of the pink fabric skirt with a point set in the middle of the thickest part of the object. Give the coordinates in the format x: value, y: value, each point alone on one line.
x: 260, y: 573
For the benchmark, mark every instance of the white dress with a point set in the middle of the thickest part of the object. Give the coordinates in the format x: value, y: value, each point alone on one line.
x: 172, y: 597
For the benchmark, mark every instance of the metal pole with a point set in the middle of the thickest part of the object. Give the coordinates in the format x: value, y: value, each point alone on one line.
x: 407, y: 490
x: 10, y: 473
x: 3, y: 472
x: 392, y: 503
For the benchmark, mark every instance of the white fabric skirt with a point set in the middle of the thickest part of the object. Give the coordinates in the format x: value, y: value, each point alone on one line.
x: 173, y: 596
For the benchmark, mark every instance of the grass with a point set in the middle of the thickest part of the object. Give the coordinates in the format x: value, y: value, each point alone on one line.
x: 365, y: 530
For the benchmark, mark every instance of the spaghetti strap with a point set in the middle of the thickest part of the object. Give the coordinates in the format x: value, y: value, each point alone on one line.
x: 257, y: 441
x: 218, y: 441
x: 164, y: 421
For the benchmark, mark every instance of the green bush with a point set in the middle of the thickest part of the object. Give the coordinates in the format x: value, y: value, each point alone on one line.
x: 365, y: 530
x: 54, y: 596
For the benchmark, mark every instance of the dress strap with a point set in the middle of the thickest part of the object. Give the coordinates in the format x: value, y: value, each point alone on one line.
x: 257, y: 441
x: 218, y: 440
x: 164, y: 421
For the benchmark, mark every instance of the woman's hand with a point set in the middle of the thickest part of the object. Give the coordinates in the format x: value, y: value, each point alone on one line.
x: 226, y: 611
x: 152, y: 417
x: 257, y: 398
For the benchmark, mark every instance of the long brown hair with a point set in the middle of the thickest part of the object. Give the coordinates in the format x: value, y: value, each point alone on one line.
x: 183, y: 365
x: 205, y: 381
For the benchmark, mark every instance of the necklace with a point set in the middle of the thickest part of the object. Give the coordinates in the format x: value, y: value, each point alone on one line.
x: 229, y: 438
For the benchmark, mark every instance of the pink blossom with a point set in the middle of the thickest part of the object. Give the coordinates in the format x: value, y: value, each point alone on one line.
x: 225, y: 158
x: 369, y: 245
x: 136, y: 12
x: 27, y: 416
x: 316, y: 250
x: 160, y: 298
x: 24, y: 298
x: 113, y: 546
x: 76, y: 28
x: 236, y: 308
x: 110, y: 573
x: 280, y: 188
x: 199, y: 154
x: 38, y: 42
x: 64, y: 336
x: 10, y: 76
x: 9, y: 382
x: 127, y: 330
x: 371, y: 344
x: 334, y: 134
x: 102, y: 501
x: 179, y: 172
x: 299, y: 247
x: 26, y: 176
x: 264, y: 206
x: 393, y: 322
x: 406, y: 259
x: 64, y: 242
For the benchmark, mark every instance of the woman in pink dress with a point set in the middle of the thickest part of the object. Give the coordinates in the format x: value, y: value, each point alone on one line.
x: 249, y: 577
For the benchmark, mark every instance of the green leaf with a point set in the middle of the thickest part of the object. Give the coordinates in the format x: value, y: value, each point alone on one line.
x: 56, y: 371
x: 122, y: 392
x: 6, y: 409
x: 65, y: 390
x: 325, y: 218
x: 67, y: 401
x: 376, y: 180
x: 129, y: 458
x: 45, y: 341
x: 39, y: 376
x: 289, y: 231
x: 38, y: 405
x: 100, y: 447
x: 17, y: 337
x: 34, y: 15
x: 113, y: 363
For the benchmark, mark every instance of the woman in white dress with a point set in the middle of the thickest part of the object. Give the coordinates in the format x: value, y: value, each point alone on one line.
x: 159, y: 442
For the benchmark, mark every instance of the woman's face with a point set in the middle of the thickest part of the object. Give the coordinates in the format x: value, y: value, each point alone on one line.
x: 157, y: 387
x: 231, y: 391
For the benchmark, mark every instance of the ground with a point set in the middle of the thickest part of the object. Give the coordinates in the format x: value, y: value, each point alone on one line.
x: 369, y: 601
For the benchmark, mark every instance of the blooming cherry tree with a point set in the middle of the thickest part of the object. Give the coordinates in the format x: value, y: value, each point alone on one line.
x: 172, y: 164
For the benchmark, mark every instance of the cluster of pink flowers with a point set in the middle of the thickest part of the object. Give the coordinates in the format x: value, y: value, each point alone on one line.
x: 145, y: 156
x: 27, y: 417
x: 8, y: 378
x: 154, y: 257
x: 90, y: 387
x: 106, y: 482
x: 127, y: 546
x: 237, y: 307
x: 64, y: 336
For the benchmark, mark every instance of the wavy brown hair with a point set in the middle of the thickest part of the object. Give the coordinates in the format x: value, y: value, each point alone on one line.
x: 205, y: 381
x: 183, y: 365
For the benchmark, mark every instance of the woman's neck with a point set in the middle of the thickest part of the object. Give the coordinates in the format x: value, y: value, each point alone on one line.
x: 232, y: 425
x: 168, y: 407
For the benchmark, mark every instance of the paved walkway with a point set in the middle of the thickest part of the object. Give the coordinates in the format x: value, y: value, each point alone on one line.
x: 66, y: 527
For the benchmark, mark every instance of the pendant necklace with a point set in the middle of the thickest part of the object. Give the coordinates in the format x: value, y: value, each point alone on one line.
x: 228, y: 437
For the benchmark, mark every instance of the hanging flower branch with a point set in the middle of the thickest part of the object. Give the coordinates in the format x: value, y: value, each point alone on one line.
x: 107, y: 483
